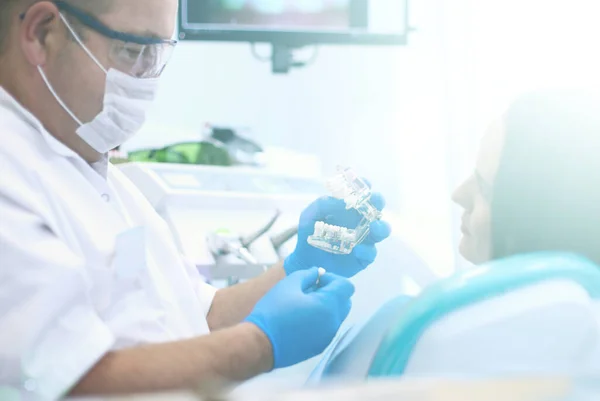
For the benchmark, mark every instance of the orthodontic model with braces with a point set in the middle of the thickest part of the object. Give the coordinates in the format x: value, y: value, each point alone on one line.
x: 356, y: 194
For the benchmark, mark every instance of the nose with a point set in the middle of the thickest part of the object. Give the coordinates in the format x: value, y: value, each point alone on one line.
x: 461, y: 196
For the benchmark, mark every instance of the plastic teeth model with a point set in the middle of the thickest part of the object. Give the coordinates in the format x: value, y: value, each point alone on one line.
x: 356, y: 194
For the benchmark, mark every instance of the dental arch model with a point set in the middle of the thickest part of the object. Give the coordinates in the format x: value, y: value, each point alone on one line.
x: 356, y: 194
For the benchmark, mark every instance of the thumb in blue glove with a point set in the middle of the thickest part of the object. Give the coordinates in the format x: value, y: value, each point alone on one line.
x: 301, y: 318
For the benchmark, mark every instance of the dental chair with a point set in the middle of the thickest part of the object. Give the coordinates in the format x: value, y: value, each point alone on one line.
x: 532, y: 314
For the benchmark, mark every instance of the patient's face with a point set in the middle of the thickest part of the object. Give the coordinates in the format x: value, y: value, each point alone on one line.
x: 475, y: 196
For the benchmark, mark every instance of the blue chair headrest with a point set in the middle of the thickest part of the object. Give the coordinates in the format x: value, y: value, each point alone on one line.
x: 468, y: 287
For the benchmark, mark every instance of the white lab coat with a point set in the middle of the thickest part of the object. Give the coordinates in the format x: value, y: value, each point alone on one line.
x: 86, y: 264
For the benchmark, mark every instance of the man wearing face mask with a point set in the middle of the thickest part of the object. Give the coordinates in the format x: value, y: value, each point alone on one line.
x: 94, y: 297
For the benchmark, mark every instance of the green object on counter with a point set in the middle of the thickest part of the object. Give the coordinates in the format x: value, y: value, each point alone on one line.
x: 204, y: 153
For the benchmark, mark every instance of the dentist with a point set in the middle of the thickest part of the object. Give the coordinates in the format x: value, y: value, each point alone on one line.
x: 94, y: 297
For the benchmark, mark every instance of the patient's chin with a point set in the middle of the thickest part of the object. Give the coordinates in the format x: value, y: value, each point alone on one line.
x: 466, y: 249
x: 472, y: 251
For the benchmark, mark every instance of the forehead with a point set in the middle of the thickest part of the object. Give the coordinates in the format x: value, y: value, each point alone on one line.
x: 490, y: 151
x: 143, y: 17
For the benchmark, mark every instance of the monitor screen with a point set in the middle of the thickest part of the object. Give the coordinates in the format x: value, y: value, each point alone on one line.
x: 276, y: 15
x: 312, y: 21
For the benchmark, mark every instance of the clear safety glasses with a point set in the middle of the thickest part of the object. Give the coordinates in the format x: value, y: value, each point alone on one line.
x: 138, y: 56
x: 142, y: 61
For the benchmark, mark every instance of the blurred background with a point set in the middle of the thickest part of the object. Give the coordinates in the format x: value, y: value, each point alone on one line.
x: 400, y: 94
x: 408, y: 117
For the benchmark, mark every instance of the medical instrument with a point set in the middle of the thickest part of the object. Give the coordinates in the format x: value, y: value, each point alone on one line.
x: 317, y: 284
x: 224, y: 242
x: 280, y: 240
x: 215, y: 212
x: 346, y: 185
x: 321, y: 274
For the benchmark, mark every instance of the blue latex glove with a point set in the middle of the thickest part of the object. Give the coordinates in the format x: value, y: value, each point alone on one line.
x: 333, y: 211
x: 301, y: 319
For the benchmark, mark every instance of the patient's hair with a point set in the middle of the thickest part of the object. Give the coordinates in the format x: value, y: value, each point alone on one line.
x: 547, y: 190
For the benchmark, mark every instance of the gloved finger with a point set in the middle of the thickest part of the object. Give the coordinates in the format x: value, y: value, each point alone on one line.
x: 344, y: 218
x: 331, y: 211
x: 378, y: 200
x: 337, y: 286
x: 321, y: 208
x: 307, y: 278
x: 365, y: 254
x: 345, y: 308
x: 380, y: 230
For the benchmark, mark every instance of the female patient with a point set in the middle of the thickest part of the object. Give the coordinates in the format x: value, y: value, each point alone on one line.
x: 536, y: 186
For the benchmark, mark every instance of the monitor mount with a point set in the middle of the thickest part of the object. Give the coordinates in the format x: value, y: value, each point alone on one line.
x: 283, y: 57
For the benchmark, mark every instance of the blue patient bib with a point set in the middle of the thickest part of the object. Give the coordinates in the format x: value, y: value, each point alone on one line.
x: 469, y: 287
x: 382, y: 347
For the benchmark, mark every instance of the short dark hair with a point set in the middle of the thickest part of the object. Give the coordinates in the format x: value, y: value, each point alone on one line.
x: 547, y: 189
x: 6, y: 13
x: 10, y: 9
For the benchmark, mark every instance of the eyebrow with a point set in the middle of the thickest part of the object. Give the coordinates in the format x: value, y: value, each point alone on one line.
x: 147, y: 34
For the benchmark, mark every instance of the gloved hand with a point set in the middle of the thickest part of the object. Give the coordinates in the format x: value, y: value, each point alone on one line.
x: 300, y: 318
x: 333, y: 211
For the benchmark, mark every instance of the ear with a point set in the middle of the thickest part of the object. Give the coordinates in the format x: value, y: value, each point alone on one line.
x: 41, y: 32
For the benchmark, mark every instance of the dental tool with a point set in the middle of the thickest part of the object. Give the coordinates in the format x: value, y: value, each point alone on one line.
x: 322, y: 272
x: 348, y: 186
x: 317, y: 284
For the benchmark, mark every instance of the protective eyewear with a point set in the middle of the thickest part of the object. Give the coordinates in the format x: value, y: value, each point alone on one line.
x: 138, y: 56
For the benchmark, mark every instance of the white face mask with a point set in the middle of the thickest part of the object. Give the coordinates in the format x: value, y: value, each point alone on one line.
x: 126, y: 102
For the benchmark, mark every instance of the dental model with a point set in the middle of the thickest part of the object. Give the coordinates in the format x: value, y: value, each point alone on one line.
x: 357, y: 195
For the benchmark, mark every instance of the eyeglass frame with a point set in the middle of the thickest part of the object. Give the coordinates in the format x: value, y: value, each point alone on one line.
x: 96, y: 25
